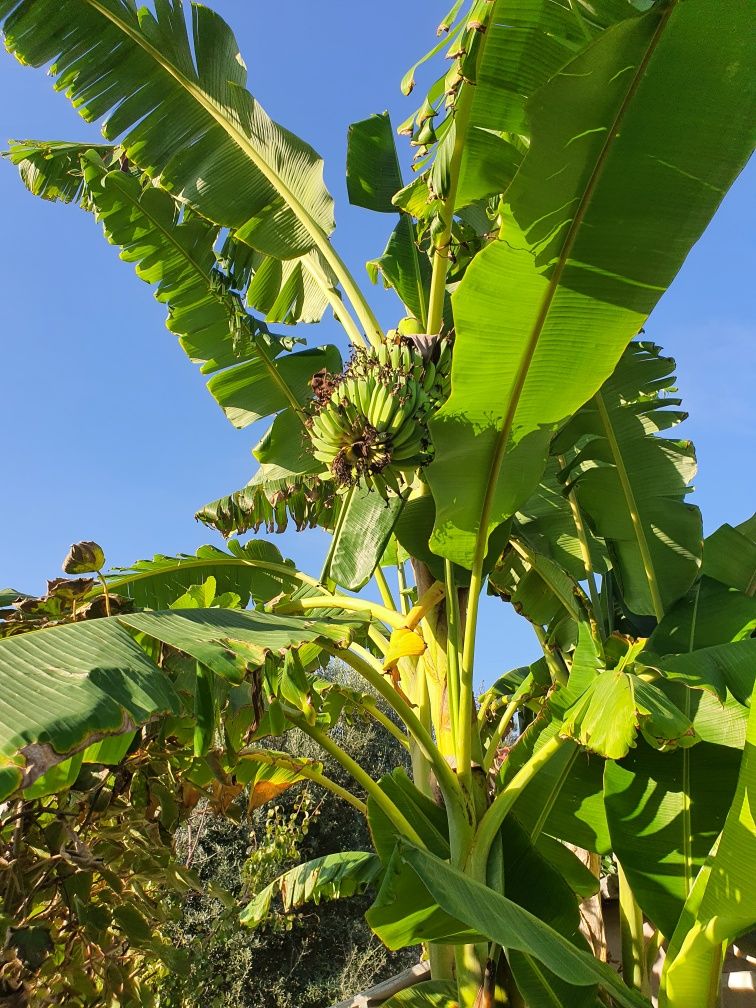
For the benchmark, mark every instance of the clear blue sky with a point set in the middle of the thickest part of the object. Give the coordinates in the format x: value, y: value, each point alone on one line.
x: 109, y: 433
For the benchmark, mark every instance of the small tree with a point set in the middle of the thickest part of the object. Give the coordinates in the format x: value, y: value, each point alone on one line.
x: 504, y: 434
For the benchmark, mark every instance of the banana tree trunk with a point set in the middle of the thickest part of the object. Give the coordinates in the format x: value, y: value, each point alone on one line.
x: 474, y: 972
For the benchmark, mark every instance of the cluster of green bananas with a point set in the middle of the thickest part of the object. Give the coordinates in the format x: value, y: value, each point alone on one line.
x: 371, y: 429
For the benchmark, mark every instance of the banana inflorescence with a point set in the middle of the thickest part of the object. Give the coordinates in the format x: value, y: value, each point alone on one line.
x: 369, y: 424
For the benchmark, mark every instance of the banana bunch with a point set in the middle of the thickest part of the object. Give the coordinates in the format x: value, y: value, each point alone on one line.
x: 372, y: 429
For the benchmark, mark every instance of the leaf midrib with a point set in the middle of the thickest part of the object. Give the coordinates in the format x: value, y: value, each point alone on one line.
x: 280, y: 569
x: 632, y: 507
x: 311, y: 225
x: 529, y: 556
x: 532, y: 343
x: 316, y: 232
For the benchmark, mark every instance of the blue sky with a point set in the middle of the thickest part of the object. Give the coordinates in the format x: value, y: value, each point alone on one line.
x: 109, y: 433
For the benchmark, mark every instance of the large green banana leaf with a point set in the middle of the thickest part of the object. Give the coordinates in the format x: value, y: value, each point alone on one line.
x: 527, y: 41
x: 710, y: 614
x: 180, y: 108
x: 361, y: 533
x: 64, y: 687
x: 537, y: 587
x: 212, y: 327
x: 255, y: 571
x: 406, y: 268
x: 288, y: 291
x: 373, y: 178
x: 705, y: 640
x: 605, y: 207
x: 253, y: 390
x: 334, y: 876
x: 665, y: 810
x: 291, y: 290
x: 632, y: 484
x: 730, y: 556
x: 606, y: 709
x: 722, y: 903
x: 423, y: 897
x: 719, y: 669
x: 551, y: 901
x: 428, y: 819
x: 175, y: 251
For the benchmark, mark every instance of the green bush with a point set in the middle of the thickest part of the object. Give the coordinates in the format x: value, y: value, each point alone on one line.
x: 308, y: 959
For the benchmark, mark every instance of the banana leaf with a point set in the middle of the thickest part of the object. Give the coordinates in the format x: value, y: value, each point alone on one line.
x: 602, y: 140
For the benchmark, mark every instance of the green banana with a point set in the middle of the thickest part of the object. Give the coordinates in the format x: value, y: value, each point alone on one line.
x: 429, y: 378
x: 400, y: 439
x: 365, y: 389
x: 372, y: 429
x: 408, y: 451
x: 388, y: 409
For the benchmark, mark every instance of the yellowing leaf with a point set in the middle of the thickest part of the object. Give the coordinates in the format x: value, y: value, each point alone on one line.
x: 403, y: 643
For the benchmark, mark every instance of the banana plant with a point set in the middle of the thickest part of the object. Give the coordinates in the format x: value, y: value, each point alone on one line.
x: 504, y: 434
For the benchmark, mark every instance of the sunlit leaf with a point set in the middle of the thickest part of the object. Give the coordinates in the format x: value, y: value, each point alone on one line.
x: 601, y: 139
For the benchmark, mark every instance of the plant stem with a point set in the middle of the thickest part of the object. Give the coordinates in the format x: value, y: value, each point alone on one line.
x: 401, y: 580
x: 105, y: 592
x: 370, y: 786
x: 492, y: 820
x: 558, y: 674
x: 486, y: 702
x: 634, y: 964
x: 425, y: 604
x: 552, y: 796
x: 193, y: 841
x: 382, y: 643
x: 362, y: 309
x: 452, y: 647
x: 463, y: 725
x: 469, y: 969
x: 441, y: 958
x: 585, y: 551
x: 393, y: 729
x: 347, y: 602
x: 383, y: 588
x: 340, y: 310
x: 421, y: 765
x: 499, y: 733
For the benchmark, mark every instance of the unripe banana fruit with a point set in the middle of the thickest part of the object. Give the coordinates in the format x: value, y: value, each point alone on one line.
x: 369, y: 426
